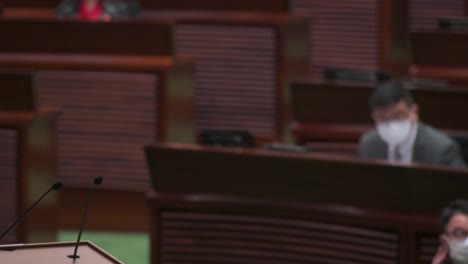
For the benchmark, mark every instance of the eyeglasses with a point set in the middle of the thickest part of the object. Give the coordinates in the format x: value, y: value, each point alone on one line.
x: 459, y: 233
x: 396, y: 116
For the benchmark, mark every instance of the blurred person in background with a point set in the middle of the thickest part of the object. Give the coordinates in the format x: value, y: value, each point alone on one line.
x: 399, y: 136
x: 104, y: 10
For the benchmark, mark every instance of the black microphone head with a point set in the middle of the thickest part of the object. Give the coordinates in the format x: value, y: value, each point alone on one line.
x: 57, y: 185
x: 98, y: 180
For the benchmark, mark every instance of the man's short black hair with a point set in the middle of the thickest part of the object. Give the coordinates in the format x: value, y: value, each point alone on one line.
x: 454, y: 207
x: 388, y: 94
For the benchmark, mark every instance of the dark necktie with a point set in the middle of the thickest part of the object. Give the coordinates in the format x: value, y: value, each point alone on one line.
x: 397, y: 154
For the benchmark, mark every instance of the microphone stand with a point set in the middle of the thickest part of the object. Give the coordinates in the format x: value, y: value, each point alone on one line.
x: 97, y: 181
x: 57, y: 185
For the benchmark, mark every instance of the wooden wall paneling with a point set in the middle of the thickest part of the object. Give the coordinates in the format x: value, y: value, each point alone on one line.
x: 366, y: 35
x: 112, y: 210
x: 259, y: 238
x: 9, y: 203
x: 109, y: 88
x: 394, y: 20
x: 18, y: 91
x: 263, y: 231
x: 235, y: 76
x: 343, y: 33
x: 161, y: 84
x: 30, y: 169
x: 109, y: 113
x: 425, y: 13
x: 428, y: 244
x: 465, y: 4
x: 213, y: 5
x: 107, y: 117
x: 241, y: 67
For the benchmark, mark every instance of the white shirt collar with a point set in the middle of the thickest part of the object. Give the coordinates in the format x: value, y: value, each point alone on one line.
x: 405, y: 149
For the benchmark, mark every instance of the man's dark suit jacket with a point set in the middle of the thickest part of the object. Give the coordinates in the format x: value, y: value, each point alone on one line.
x: 431, y: 146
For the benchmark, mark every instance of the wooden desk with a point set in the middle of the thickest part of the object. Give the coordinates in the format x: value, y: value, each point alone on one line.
x: 338, y: 111
x: 225, y: 203
x: 323, y: 178
x: 50, y: 253
x: 440, y: 54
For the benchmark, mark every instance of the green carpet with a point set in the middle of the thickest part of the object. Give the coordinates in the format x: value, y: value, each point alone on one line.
x: 131, y: 248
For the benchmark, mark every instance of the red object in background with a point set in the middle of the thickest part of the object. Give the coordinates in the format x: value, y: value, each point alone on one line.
x: 90, y: 14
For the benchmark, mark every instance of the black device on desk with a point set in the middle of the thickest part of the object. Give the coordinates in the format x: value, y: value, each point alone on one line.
x: 355, y: 75
x: 232, y: 138
x: 448, y: 23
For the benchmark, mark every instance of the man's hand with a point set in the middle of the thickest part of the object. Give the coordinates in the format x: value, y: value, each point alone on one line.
x: 442, y: 252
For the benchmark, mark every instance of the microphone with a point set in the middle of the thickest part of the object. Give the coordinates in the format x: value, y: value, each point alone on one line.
x: 56, y: 186
x: 98, y: 180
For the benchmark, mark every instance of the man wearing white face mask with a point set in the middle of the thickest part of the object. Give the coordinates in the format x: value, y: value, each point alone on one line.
x: 454, y: 238
x: 400, y: 136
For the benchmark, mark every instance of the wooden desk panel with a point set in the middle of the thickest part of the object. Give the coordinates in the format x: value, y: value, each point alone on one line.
x: 216, y: 199
x: 440, y: 48
x: 303, y: 177
x: 83, y: 37
x: 207, y: 227
x: 22, y: 97
x: 440, y: 54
